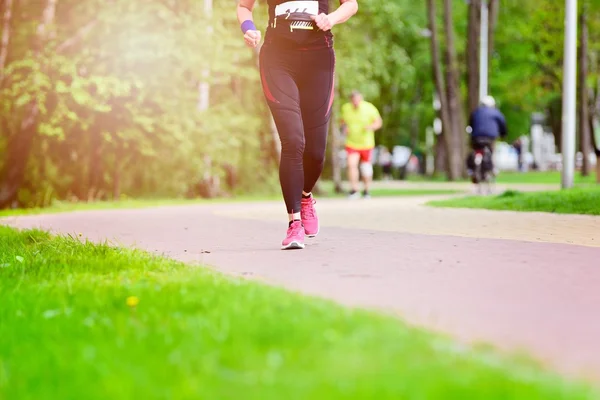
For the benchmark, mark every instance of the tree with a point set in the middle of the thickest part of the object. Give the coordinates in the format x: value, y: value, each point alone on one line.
x: 19, y: 144
x: 116, y: 87
x: 456, y: 137
x: 5, y: 38
x: 473, y: 50
x: 594, y: 117
x: 444, y: 147
x: 382, y: 52
x: 584, y: 125
x: 4, y: 41
x: 335, y: 144
x: 493, y: 10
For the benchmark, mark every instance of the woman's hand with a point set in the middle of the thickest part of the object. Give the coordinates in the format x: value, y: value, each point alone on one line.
x: 323, y: 21
x: 252, y: 38
x: 346, y: 9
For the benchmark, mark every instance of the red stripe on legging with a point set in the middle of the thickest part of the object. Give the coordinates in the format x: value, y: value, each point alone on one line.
x: 268, y: 93
x: 331, y: 95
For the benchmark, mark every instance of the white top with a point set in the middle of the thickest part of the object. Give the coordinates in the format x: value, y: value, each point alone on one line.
x: 304, y: 6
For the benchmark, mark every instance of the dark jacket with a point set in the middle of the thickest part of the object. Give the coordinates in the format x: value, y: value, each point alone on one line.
x: 488, y: 122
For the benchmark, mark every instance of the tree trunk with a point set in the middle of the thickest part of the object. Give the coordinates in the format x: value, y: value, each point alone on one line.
x: 40, y: 149
x: 441, y: 157
x: 456, y: 134
x: 594, y: 126
x: 584, y: 128
x: 4, y: 42
x: 118, y: 166
x: 594, y: 118
x: 95, y: 163
x: 6, y: 19
x: 116, y: 183
x: 414, y: 120
x: 335, y: 145
x: 438, y: 78
x: 595, y: 144
x: 19, y: 146
x: 493, y: 11
x: 554, y: 109
x: 18, y: 149
x: 595, y: 140
x: 473, y: 36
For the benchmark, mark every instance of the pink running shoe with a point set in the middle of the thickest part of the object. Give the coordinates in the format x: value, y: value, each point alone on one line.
x: 295, y: 237
x: 309, y: 217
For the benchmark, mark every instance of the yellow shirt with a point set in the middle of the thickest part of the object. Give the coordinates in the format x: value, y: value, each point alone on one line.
x: 356, y: 120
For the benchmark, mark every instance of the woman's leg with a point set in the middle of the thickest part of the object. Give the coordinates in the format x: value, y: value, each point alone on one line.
x: 281, y: 91
x: 282, y: 94
x: 316, y: 85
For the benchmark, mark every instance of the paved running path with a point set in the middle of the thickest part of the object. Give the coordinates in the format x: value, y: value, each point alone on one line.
x: 529, y: 281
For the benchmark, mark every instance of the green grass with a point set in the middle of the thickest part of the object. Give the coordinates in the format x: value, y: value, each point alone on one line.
x: 440, y: 178
x: 64, y: 206
x: 546, y: 177
x: 60, y: 207
x: 571, y: 201
x: 67, y: 332
x: 509, y: 177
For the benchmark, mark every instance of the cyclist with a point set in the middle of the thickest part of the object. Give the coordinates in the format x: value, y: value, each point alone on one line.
x: 486, y: 125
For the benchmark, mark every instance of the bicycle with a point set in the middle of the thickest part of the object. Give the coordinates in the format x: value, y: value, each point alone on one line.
x: 483, y: 171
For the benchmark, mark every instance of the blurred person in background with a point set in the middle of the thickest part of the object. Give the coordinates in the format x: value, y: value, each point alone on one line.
x: 360, y: 119
x: 486, y: 125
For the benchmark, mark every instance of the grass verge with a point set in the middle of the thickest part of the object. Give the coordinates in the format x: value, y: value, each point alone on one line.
x: 522, y: 178
x: 88, y: 321
x: 541, y: 177
x: 584, y: 200
x: 60, y: 207
x: 65, y: 206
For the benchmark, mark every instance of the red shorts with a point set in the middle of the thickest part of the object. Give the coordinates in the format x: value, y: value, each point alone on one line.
x: 365, y: 155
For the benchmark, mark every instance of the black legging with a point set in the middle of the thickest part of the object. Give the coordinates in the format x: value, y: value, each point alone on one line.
x: 298, y: 86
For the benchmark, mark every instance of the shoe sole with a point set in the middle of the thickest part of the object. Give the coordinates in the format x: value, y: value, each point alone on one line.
x: 311, y: 235
x: 293, y: 246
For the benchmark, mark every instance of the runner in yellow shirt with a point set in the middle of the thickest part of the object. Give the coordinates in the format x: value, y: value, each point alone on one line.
x: 360, y: 119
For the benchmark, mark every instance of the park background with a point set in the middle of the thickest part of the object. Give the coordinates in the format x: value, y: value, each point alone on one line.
x: 102, y: 100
